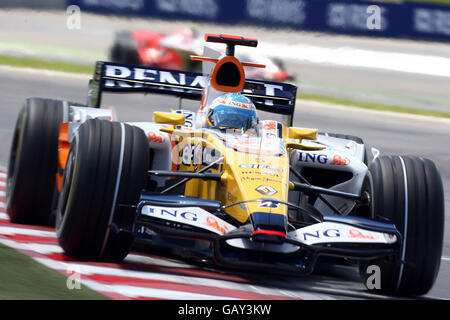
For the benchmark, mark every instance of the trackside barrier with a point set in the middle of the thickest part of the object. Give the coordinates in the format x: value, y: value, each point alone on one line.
x: 354, y: 17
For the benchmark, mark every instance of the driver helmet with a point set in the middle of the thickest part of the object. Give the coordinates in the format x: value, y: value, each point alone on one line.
x: 232, y: 111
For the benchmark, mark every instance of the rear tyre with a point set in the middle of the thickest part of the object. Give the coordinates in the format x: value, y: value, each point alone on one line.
x: 125, y: 49
x: 105, y: 172
x: 32, y: 168
x: 408, y: 191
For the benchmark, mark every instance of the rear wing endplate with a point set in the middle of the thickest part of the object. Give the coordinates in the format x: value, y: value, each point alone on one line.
x: 112, y: 77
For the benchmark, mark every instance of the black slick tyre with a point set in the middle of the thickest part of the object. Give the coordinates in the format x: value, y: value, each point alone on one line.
x: 32, y: 167
x: 105, y: 172
x: 408, y: 191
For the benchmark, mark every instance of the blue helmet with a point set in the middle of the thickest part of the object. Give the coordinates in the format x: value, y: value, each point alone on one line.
x: 232, y: 111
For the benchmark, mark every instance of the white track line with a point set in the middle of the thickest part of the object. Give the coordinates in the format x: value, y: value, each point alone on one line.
x: 36, y: 247
x: 135, y: 292
x: 2, y: 184
x: 145, y: 275
x: 432, y: 65
x: 136, y: 258
x: 191, y: 280
x: 4, y: 216
x: 29, y: 232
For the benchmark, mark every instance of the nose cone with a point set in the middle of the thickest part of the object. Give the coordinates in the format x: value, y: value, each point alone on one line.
x: 269, y: 227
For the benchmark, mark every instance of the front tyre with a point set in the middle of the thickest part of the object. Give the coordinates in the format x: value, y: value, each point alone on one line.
x: 105, y: 172
x: 32, y: 167
x: 408, y: 191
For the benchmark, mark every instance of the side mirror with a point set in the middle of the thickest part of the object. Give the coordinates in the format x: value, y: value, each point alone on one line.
x: 176, y: 119
x: 303, y: 133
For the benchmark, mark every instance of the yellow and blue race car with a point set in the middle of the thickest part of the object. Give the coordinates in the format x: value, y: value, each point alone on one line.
x: 222, y: 184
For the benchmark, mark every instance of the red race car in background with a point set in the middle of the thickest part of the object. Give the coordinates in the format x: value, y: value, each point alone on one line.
x: 173, y: 50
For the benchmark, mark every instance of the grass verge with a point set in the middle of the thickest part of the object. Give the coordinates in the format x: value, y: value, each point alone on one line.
x: 22, y: 278
x: 373, y: 106
x: 27, y: 62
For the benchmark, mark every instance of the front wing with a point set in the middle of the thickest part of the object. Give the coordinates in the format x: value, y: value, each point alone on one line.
x: 197, y: 229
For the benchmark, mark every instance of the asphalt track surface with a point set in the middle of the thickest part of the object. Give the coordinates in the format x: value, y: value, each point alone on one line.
x: 392, y: 134
x: 393, y: 72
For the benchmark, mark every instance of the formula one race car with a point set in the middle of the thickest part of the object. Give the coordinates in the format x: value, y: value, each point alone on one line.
x: 222, y: 184
x: 173, y: 50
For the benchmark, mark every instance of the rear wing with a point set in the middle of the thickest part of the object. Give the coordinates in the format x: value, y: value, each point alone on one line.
x: 271, y: 97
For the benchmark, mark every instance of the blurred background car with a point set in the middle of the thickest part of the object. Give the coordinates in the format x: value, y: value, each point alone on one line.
x: 173, y: 50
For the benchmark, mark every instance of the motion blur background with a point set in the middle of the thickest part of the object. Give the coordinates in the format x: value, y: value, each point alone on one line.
x: 392, y: 53
x: 384, y: 55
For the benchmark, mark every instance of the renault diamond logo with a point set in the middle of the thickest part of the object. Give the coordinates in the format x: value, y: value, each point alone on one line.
x: 266, y: 190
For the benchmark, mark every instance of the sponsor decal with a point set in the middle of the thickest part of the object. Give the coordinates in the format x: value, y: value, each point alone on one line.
x: 340, y: 161
x: 320, y: 234
x: 238, y: 104
x: 431, y: 21
x: 322, y: 158
x: 213, y: 223
x: 155, y: 137
x: 272, y: 125
x: 269, y: 204
x: 188, y: 118
x: 179, y: 214
x: 260, y: 167
x: 261, y: 179
x: 353, y: 233
x: 196, y: 155
x: 231, y: 197
x: 195, y: 8
x: 255, y: 145
x: 209, y: 155
x: 125, y: 77
x: 312, y: 157
x: 266, y: 190
x: 286, y: 11
x: 270, y: 135
x: 134, y: 5
x: 356, y: 17
x: 187, y: 155
x: 331, y: 232
x: 259, y: 173
x: 193, y: 216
